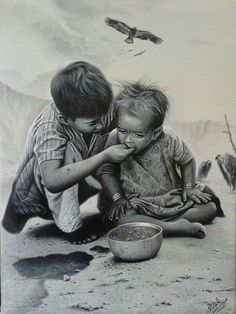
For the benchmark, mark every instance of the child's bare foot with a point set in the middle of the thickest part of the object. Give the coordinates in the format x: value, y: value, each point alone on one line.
x: 199, y: 230
x: 192, y: 229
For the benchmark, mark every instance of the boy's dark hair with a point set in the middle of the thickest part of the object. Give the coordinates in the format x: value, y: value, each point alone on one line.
x: 81, y: 90
x: 143, y: 100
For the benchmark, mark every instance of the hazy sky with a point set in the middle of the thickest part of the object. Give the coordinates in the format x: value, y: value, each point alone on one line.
x: 195, y: 64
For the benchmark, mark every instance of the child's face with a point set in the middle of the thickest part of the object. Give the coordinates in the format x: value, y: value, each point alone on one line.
x: 85, y: 125
x: 133, y: 131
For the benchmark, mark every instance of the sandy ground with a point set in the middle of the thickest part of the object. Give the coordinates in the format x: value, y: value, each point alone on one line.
x: 185, y: 277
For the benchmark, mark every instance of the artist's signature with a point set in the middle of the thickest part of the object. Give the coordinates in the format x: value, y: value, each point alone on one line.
x: 216, y: 306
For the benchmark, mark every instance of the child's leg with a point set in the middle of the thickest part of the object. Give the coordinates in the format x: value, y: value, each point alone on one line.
x: 215, y: 199
x: 180, y: 227
x: 203, y: 213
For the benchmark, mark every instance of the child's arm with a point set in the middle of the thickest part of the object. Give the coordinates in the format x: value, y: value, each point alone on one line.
x: 188, y: 173
x: 113, y: 189
x: 58, y: 178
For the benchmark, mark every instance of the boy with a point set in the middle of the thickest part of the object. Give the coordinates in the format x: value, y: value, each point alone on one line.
x: 157, y: 182
x: 63, y: 149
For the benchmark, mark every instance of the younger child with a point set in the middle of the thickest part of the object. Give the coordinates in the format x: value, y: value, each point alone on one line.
x: 63, y: 150
x: 157, y: 182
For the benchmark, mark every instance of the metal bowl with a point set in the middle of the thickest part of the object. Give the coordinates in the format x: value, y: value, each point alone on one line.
x: 135, y: 241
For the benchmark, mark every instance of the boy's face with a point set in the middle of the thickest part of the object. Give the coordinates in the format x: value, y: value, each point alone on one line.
x: 85, y: 125
x: 134, y: 131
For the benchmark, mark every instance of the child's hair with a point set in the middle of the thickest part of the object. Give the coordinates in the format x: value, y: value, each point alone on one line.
x: 81, y: 90
x: 143, y: 100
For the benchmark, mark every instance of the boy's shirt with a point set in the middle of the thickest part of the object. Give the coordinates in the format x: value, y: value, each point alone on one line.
x: 155, y: 171
x: 47, y: 139
x: 51, y: 136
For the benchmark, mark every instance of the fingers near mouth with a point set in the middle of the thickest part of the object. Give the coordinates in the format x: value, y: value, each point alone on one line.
x: 129, y: 145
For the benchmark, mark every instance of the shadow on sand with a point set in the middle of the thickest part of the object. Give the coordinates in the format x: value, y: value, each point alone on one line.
x: 53, y: 266
x: 92, y: 225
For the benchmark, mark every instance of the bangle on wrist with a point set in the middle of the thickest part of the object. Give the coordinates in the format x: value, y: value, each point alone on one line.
x: 189, y: 185
x: 116, y: 196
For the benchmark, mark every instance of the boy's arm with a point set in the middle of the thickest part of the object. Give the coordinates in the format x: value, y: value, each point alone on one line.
x: 188, y: 174
x: 58, y: 178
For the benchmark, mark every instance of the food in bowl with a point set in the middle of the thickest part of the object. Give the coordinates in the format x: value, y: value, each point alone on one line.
x: 132, y: 233
x: 135, y: 241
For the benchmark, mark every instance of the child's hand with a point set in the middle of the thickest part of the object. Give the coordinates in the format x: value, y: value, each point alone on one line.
x: 118, y: 209
x: 195, y: 195
x: 118, y: 153
x: 172, y: 198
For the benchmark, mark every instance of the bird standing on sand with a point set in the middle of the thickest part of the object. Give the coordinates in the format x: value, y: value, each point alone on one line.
x: 203, y: 170
x: 227, y: 166
x: 132, y: 32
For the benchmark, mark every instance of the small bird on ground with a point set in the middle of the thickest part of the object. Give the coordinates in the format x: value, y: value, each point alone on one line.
x: 132, y: 32
x: 203, y: 170
x: 227, y: 166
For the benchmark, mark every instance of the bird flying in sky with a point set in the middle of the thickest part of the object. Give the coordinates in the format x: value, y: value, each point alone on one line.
x: 132, y: 32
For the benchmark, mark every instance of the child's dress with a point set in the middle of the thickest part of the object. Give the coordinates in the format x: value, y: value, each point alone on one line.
x: 146, y: 177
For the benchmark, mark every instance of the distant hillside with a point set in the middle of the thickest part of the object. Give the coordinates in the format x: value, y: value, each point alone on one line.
x: 38, y: 87
x: 14, y: 79
x: 18, y: 110
x: 17, y: 113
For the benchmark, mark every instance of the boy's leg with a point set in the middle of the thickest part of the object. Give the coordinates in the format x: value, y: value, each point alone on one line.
x: 65, y: 206
x: 92, y: 224
x: 181, y: 227
x: 13, y: 222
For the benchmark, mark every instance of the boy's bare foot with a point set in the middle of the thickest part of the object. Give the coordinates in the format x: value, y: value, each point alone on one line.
x: 86, y: 240
x: 91, y: 230
x: 83, y: 235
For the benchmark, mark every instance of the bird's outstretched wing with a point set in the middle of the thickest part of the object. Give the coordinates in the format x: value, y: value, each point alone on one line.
x: 120, y: 26
x: 148, y: 36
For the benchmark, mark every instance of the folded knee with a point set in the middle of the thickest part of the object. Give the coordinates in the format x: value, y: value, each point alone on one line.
x: 210, y: 213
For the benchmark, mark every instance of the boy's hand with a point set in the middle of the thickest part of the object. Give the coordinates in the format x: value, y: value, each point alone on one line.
x: 118, y: 209
x: 195, y: 195
x: 118, y: 153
